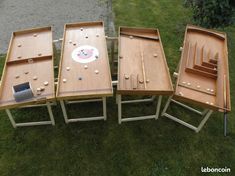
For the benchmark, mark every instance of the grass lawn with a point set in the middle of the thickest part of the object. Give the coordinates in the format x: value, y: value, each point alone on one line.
x: 153, y: 148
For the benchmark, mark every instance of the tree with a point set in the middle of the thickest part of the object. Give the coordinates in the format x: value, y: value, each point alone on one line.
x: 211, y: 13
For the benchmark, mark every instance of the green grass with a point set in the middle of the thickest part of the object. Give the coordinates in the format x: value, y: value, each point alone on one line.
x: 141, y: 148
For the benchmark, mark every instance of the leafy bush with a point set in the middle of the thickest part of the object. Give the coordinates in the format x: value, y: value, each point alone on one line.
x: 211, y: 13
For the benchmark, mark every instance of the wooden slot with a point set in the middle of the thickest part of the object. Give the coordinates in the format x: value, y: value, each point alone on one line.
x: 195, y: 54
x: 127, y: 82
x: 202, y: 54
x: 202, y: 73
x: 213, y: 61
x: 26, y: 60
x: 209, y: 65
x: 139, y: 36
x: 188, y: 54
x: 143, y: 65
x: 205, y: 69
x: 198, y: 90
x: 134, y: 82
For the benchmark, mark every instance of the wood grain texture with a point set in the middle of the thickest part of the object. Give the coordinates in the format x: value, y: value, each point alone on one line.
x: 142, y: 67
x: 202, y: 70
x: 91, y: 84
x: 36, y: 51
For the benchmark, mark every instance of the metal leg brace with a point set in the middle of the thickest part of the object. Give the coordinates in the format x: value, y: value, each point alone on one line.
x: 120, y: 102
x: 48, y: 105
x: 206, y: 113
x: 70, y: 120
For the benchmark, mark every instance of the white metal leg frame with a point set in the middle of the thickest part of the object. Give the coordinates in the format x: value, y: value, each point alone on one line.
x: 206, y: 114
x: 69, y: 120
x: 120, y: 102
x: 49, y: 122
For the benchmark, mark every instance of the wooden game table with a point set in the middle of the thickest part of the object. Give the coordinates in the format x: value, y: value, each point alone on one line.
x: 29, y: 61
x: 142, y: 68
x: 203, y: 75
x: 84, y: 72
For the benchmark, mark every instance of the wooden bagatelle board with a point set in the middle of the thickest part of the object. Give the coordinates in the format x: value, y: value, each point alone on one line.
x: 142, y: 66
x: 84, y: 70
x: 203, y: 72
x: 29, y: 59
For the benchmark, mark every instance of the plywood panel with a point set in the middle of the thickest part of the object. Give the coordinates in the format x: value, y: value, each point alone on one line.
x: 203, y: 67
x: 84, y: 80
x: 29, y: 67
x: 142, y: 67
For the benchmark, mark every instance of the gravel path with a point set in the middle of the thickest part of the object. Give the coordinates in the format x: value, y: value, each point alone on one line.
x: 22, y: 14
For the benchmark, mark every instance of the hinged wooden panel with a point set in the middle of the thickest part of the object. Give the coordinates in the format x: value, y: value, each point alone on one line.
x: 204, y: 72
x: 142, y: 67
x: 84, y: 76
x: 29, y: 59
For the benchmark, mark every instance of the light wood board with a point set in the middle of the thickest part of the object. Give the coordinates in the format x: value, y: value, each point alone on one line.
x: 142, y: 66
x: 34, y: 46
x: 91, y: 84
x: 204, y: 62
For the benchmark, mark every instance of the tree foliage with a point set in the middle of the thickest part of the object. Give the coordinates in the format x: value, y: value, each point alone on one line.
x: 211, y: 13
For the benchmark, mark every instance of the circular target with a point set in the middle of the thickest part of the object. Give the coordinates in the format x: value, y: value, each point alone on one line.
x: 85, y: 54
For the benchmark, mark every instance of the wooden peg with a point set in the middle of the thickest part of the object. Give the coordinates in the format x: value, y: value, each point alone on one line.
x: 35, y: 78
x: 133, y: 81
x: 126, y: 76
x: 46, y: 83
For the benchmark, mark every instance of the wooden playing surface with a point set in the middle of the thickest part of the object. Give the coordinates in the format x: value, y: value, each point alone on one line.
x: 30, y: 55
x: 142, y: 66
x: 84, y: 82
x: 203, y: 73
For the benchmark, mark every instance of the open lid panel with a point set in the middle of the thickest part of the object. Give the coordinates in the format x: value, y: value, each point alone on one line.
x: 84, y: 70
x: 204, y: 73
x: 142, y: 66
x: 29, y: 60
